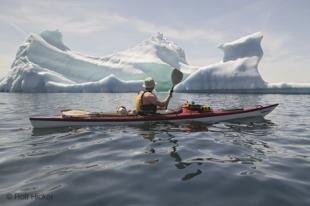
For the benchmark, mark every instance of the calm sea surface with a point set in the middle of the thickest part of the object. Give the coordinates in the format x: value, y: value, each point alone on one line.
x: 261, y: 162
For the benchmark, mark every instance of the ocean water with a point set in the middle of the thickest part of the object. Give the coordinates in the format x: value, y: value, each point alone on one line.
x: 257, y: 162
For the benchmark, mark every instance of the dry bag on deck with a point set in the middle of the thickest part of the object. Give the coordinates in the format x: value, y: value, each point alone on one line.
x: 195, y: 107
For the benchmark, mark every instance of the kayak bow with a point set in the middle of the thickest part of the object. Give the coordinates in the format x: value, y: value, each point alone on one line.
x: 213, y: 116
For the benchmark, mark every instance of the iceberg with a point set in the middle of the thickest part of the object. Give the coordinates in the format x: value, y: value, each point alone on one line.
x: 237, y: 72
x: 44, y: 63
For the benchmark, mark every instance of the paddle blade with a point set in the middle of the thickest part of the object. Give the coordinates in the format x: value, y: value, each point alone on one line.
x: 176, y: 77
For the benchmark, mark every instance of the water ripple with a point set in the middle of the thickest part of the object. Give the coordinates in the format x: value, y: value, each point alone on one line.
x: 252, y: 162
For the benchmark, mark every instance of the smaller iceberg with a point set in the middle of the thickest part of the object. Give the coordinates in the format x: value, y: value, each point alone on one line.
x: 237, y: 72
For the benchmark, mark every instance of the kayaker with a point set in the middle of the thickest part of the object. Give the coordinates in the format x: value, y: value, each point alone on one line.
x: 147, y: 102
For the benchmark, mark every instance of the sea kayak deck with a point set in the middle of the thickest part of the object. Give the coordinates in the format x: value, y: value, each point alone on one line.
x: 208, y: 117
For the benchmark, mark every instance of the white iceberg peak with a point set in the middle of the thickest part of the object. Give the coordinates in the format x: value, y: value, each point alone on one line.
x: 54, y: 38
x: 159, y: 37
x: 243, y: 40
x: 247, y: 46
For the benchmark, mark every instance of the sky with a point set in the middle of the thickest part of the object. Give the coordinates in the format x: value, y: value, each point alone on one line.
x: 102, y: 27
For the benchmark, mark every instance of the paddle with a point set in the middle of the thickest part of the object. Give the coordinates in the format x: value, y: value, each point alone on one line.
x: 176, y: 78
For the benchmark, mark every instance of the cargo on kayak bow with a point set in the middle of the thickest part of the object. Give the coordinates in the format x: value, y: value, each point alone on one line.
x: 84, y: 118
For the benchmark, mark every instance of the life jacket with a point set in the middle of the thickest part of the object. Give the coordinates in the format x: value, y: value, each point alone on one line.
x: 144, y: 109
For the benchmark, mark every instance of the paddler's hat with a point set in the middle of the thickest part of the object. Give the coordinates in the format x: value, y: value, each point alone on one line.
x: 149, y: 83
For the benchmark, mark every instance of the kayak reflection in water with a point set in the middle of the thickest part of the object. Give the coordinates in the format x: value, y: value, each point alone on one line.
x: 147, y: 102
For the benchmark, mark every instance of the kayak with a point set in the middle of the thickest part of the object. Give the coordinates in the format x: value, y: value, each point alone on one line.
x: 183, y: 115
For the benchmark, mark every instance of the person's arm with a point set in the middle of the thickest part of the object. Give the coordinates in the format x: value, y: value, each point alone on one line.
x: 164, y: 104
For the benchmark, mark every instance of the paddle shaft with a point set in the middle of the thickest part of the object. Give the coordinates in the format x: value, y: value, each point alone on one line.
x: 176, y: 77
